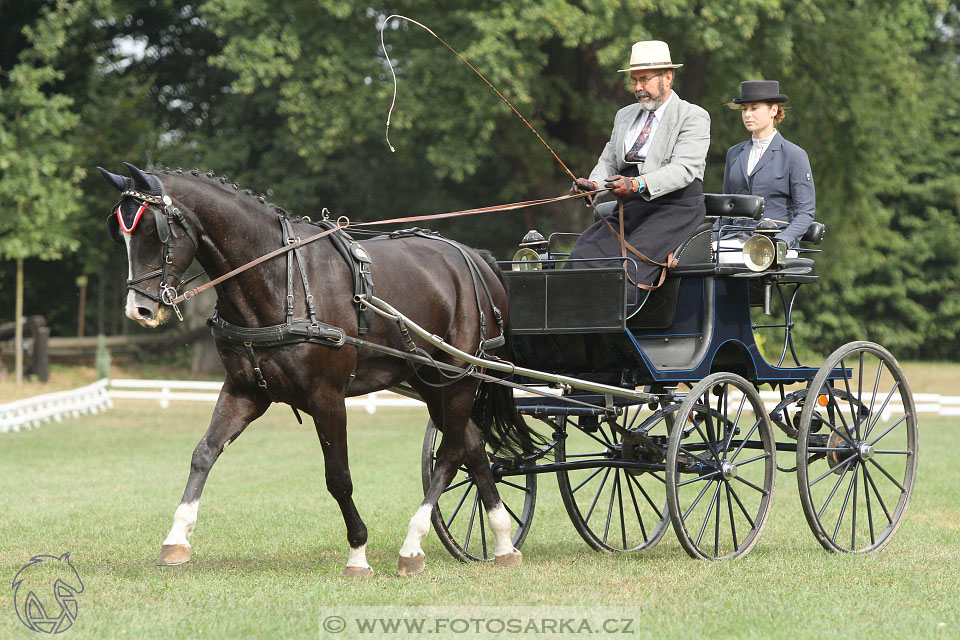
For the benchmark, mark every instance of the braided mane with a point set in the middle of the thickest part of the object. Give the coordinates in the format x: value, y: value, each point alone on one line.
x: 223, y: 183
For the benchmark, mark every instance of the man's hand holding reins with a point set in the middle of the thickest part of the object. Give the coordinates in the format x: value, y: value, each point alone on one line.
x: 582, y: 185
x: 623, y: 186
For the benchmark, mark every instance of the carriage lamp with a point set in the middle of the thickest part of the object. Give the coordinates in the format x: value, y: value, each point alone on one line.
x: 526, y: 259
x: 759, y: 253
x: 533, y: 249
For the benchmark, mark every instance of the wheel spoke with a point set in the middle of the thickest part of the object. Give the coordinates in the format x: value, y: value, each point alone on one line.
x: 873, y: 398
x: 709, y: 443
x: 613, y: 494
x: 712, y: 474
x: 483, y: 533
x: 753, y: 429
x: 473, y: 514
x: 733, y: 523
x: 597, y: 496
x: 846, y: 501
x: 762, y: 456
x: 706, y: 518
x: 890, y: 477
x: 866, y: 495
x: 716, y: 529
x: 696, y: 501
x: 515, y: 486
x: 835, y: 405
x: 459, y: 484
x: 751, y: 485
x: 889, y: 429
x: 512, y: 514
x: 830, y: 470
x: 606, y: 445
x: 636, y: 507
x: 853, y: 520
x: 876, y: 417
x: 834, y: 490
x: 845, y: 436
x: 653, y: 505
x: 459, y: 504
x: 886, y: 512
x: 733, y: 425
x: 740, y: 504
x: 589, y: 478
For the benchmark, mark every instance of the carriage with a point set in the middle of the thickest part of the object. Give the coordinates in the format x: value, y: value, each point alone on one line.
x: 659, y: 420
x: 650, y: 403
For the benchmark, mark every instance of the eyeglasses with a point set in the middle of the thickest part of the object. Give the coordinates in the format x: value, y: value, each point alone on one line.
x: 645, y: 79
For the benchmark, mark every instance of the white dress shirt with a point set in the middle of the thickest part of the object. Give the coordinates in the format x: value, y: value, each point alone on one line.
x: 637, y: 127
x: 757, y: 147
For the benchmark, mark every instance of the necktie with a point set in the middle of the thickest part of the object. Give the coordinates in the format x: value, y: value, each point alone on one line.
x: 634, y: 154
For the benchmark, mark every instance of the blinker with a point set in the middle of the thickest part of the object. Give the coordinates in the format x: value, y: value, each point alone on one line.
x: 163, y: 229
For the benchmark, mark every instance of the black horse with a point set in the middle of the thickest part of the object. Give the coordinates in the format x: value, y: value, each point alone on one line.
x: 320, y: 345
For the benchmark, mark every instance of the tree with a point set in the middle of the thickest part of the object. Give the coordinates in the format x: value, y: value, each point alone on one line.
x: 38, y: 176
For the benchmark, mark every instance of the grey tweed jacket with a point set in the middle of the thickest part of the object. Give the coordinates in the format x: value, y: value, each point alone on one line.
x: 677, y: 155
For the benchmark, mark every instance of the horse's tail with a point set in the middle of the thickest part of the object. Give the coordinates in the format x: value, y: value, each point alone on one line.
x: 494, y: 409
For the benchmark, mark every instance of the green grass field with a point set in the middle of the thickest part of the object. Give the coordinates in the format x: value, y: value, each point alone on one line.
x: 270, y: 546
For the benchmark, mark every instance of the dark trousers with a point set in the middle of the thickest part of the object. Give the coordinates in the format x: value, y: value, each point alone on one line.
x: 654, y: 227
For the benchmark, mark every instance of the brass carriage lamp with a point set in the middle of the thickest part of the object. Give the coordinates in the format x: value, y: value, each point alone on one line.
x: 761, y: 251
x: 533, y: 249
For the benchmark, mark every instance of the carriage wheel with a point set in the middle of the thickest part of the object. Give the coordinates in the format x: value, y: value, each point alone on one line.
x: 617, y: 508
x: 721, y: 468
x: 857, y: 449
x: 460, y: 519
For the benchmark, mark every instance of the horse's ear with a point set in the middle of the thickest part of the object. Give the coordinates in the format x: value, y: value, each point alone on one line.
x: 140, y: 180
x: 117, y: 182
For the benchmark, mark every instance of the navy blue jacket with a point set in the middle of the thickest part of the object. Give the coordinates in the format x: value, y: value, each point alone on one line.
x: 782, y: 177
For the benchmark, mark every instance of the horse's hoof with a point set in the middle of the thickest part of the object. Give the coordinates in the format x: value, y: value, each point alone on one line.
x: 512, y: 559
x: 357, y: 572
x: 411, y: 566
x: 172, y: 555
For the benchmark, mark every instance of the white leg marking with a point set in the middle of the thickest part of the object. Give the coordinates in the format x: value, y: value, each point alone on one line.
x: 358, y: 557
x: 499, y: 521
x: 184, y: 520
x: 416, y: 532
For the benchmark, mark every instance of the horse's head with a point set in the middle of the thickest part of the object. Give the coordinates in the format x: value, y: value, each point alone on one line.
x: 146, y: 220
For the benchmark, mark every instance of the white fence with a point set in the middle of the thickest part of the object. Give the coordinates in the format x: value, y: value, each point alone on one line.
x: 96, y: 397
x: 165, y: 391
x: 32, y: 412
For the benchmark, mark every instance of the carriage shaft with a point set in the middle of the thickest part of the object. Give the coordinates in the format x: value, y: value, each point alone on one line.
x: 386, y: 310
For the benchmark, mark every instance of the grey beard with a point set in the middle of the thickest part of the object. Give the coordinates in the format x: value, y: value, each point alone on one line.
x: 649, y: 104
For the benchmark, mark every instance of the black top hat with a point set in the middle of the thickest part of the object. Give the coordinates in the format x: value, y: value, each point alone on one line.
x: 760, y: 91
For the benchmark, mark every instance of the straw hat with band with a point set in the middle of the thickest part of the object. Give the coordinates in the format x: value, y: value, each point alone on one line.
x: 650, y: 54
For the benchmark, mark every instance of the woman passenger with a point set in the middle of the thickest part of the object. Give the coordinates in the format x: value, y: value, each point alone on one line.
x: 769, y: 166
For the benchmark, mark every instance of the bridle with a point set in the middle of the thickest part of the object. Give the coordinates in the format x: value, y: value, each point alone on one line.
x: 166, y: 217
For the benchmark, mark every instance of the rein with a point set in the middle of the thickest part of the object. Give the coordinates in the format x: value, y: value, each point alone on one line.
x: 344, y: 223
